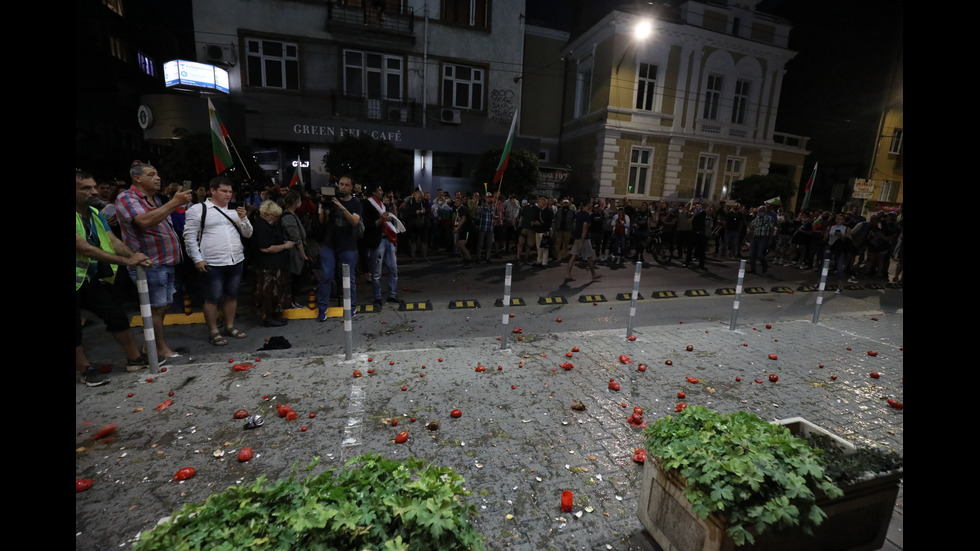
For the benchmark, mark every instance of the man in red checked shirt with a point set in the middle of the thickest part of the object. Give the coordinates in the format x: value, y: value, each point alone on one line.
x: 144, y: 217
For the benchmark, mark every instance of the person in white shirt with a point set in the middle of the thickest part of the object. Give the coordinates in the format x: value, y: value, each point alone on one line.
x: 213, y: 235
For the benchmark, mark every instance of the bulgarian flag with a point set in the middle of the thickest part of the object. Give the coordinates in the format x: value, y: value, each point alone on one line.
x: 809, y: 186
x: 505, y: 155
x: 219, y: 135
x: 297, y: 175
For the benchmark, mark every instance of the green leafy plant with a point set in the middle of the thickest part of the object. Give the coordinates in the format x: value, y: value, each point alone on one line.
x: 755, y: 475
x: 379, y: 504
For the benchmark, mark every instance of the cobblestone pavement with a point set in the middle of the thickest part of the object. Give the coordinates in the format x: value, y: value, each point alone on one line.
x: 518, y: 443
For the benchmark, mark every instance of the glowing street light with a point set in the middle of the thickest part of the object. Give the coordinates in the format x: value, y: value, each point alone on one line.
x: 642, y: 31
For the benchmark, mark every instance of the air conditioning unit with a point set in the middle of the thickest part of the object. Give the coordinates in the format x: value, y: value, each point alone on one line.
x: 450, y: 116
x: 221, y: 54
x: 398, y: 115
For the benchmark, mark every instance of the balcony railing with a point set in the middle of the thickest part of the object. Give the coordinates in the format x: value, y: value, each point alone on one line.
x: 406, y: 112
x: 394, y: 20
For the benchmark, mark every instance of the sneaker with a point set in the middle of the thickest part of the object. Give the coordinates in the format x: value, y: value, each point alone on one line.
x: 393, y: 298
x: 299, y: 306
x: 353, y: 312
x: 93, y: 377
x: 321, y: 314
x: 838, y: 291
x: 378, y: 302
x: 142, y: 362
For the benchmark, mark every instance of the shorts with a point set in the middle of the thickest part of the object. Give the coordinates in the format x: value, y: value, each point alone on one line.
x: 222, y: 282
x: 159, y: 283
x: 582, y: 248
x: 97, y: 297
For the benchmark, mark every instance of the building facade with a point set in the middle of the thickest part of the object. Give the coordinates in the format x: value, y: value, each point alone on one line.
x: 438, y: 79
x: 681, y: 113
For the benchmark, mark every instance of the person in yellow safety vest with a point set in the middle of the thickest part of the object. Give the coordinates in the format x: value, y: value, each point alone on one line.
x: 97, y: 254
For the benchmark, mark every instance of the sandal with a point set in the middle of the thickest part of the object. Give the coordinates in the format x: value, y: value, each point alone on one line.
x: 235, y: 332
x: 216, y: 339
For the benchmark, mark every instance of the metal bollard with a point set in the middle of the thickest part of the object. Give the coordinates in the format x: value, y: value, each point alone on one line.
x: 149, y: 336
x: 347, y: 302
x: 506, y: 316
x: 738, y: 294
x: 636, y: 290
x: 821, y: 287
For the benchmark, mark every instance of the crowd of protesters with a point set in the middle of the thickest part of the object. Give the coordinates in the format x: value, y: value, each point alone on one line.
x: 292, y: 242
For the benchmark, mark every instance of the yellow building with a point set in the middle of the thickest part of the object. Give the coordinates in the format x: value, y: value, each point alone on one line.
x: 681, y: 112
x: 885, y: 178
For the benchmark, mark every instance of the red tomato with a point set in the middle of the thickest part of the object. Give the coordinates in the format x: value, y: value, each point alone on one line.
x: 773, y: 377
x: 512, y: 387
x: 456, y: 413
x: 624, y: 359
x: 404, y: 388
x: 130, y: 395
x: 668, y: 362
x: 171, y: 393
x: 896, y: 404
x: 292, y: 416
x: 693, y: 380
x: 690, y: 348
x: 302, y: 429
x: 569, y: 354
x: 245, y: 454
x: 104, y: 431
x: 440, y: 359
x: 638, y: 410
x: 875, y: 375
x: 480, y: 369
x: 370, y: 371
x: 758, y: 381
x: 394, y: 422
x: 613, y: 385
x: 312, y: 416
x: 639, y: 455
x: 738, y: 379
x: 872, y: 353
x: 773, y: 357
x: 558, y: 320
x: 184, y: 474
x: 681, y: 395
x: 575, y: 349
x: 421, y: 374
x: 392, y: 362
x: 641, y: 367
x: 833, y: 377
x: 566, y: 501
x: 82, y: 484
x: 413, y: 419
x: 149, y: 379
x: 768, y: 326
x: 240, y: 414
x: 357, y: 373
x: 680, y: 407
x: 402, y: 437
x: 631, y: 338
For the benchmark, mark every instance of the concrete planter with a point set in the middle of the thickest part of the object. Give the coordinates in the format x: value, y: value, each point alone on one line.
x: 857, y: 521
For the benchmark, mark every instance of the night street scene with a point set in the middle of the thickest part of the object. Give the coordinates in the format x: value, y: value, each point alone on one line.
x: 489, y: 275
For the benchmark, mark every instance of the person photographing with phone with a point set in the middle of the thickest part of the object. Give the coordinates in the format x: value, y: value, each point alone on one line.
x: 340, y: 216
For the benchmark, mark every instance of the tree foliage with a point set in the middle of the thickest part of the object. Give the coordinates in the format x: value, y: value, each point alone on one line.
x: 370, y: 161
x: 520, y: 178
x: 757, y: 189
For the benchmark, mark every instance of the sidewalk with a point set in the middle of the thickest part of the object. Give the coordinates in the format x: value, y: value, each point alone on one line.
x: 518, y: 443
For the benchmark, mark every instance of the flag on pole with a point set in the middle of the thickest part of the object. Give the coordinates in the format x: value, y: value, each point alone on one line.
x: 297, y: 174
x: 222, y: 155
x: 505, y: 155
x: 809, y: 186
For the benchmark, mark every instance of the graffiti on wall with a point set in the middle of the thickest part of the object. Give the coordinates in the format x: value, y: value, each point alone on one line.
x: 502, y: 105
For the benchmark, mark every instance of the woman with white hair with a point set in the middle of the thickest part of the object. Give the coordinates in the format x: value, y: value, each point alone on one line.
x: 272, y: 292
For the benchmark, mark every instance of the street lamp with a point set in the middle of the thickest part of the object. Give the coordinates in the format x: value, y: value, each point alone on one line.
x: 643, y: 29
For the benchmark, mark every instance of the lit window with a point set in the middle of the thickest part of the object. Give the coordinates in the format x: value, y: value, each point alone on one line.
x: 734, y: 171
x: 117, y: 48
x: 895, y: 148
x: 272, y: 64
x: 712, y: 97
x: 373, y: 75
x: 706, y: 175
x: 471, y: 13
x: 640, y: 169
x: 646, y: 86
x: 146, y: 64
x: 741, y: 101
x: 583, y: 86
x: 114, y: 5
x: 462, y: 87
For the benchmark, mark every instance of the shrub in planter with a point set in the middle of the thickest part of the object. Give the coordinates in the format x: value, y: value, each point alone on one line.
x: 755, y: 475
x: 373, y: 503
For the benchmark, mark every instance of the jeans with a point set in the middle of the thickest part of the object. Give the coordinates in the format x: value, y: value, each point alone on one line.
x: 383, y: 256
x: 329, y: 259
x: 757, y: 251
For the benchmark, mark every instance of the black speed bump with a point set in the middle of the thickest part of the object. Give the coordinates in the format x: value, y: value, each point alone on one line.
x: 696, y: 293
x: 513, y: 302
x: 663, y: 294
x: 755, y: 291
x: 725, y: 291
x: 781, y: 290
x: 463, y: 304
x: 628, y: 296
x: 806, y: 288
x: 591, y: 298
x: 552, y: 300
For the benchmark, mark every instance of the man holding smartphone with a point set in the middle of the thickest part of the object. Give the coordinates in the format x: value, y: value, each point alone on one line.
x: 213, y: 233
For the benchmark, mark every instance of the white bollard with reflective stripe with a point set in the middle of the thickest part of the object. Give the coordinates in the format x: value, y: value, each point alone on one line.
x: 636, y: 291
x: 821, y: 287
x: 738, y: 294
x: 506, y: 316
x: 347, y: 317
x: 146, y: 312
